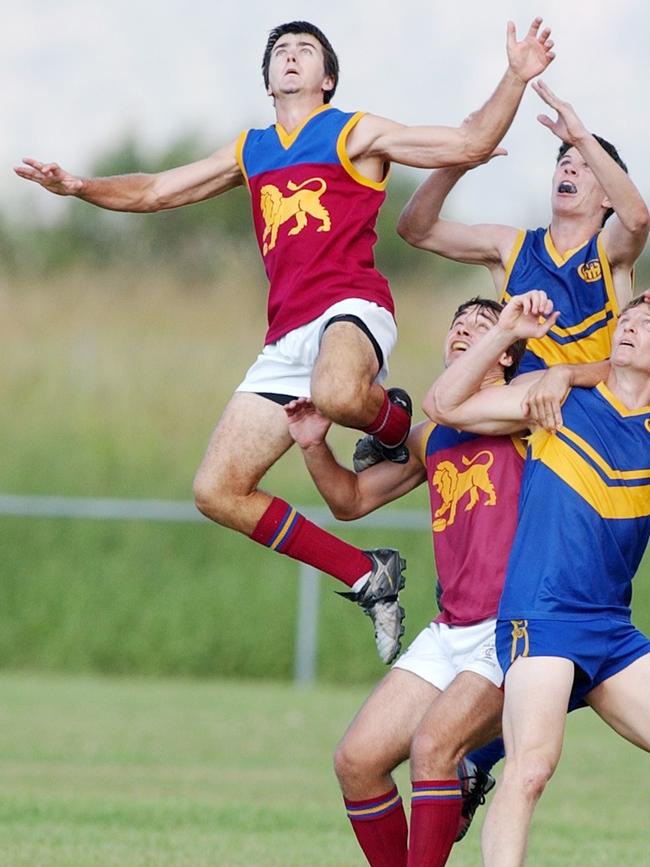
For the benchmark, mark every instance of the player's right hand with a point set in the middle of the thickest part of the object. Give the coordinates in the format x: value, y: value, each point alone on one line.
x: 529, y: 315
x: 531, y: 55
x: 306, y: 425
x: 50, y: 176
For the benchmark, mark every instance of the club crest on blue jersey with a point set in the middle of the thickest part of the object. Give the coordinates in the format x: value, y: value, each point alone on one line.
x: 590, y: 271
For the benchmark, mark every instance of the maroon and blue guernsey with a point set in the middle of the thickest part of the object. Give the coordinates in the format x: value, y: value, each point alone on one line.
x: 474, y: 484
x: 314, y: 217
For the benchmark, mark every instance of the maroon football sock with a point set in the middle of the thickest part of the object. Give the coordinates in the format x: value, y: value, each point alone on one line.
x: 284, y: 529
x: 380, y: 827
x: 435, y: 813
x: 392, y: 425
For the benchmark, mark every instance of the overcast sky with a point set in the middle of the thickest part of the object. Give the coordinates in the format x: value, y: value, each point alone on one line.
x: 79, y: 74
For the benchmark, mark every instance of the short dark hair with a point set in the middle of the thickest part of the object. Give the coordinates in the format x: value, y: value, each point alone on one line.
x: 609, y: 149
x: 331, y: 61
x: 516, y: 351
x: 635, y: 302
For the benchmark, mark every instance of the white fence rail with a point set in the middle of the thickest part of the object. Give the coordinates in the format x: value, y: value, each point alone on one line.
x: 108, y: 509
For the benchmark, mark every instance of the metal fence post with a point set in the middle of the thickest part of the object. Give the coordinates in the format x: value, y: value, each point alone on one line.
x: 304, y: 666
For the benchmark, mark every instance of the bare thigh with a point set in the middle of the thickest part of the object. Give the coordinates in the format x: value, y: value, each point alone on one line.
x: 342, y: 384
x: 379, y: 737
x: 250, y: 436
x: 623, y: 701
x: 537, y: 693
x: 465, y: 716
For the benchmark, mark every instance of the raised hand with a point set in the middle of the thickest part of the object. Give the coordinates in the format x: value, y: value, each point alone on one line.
x: 50, y: 176
x: 567, y: 126
x: 528, y: 315
x: 306, y: 425
x: 532, y: 54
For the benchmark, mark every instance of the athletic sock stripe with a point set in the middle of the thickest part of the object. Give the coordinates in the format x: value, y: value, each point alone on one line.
x: 371, y: 811
x: 293, y: 522
x: 436, y: 793
x: 283, y: 529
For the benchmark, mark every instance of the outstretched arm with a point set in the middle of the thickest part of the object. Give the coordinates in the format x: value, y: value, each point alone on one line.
x: 626, y: 233
x: 430, y: 147
x: 421, y: 225
x: 347, y: 494
x: 456, y: 398
x: 142, y: 193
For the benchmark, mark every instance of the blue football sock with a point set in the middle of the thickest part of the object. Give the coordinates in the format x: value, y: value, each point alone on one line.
x: 486, y: 757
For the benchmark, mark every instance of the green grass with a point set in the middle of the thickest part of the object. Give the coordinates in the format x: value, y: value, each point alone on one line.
x: 143, y: 772
x: 178, y: 599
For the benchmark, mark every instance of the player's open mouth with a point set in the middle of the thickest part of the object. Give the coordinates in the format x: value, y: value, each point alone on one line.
x: 459, y: 345
x: 567, y: 187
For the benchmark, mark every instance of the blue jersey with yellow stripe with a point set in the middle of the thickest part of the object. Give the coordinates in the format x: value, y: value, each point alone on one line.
x: 581, y: 288
x: 584, y: 513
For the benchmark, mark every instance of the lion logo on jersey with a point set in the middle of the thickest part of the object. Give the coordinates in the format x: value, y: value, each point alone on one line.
x: 453, y: 484
x: 277, y: 209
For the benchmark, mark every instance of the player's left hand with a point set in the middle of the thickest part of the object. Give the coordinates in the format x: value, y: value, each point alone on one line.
x: 528, y: 315
x: 533, y: 53
x: 567, y: 126
x: 306, y: 425
x: 543, y: 401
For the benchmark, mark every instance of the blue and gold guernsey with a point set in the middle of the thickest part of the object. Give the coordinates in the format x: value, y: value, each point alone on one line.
x: 581, y: 288
x: 584, y: 517
x: 314, y: 216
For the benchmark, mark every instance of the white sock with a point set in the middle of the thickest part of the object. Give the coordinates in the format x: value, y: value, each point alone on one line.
x: 360, y: 582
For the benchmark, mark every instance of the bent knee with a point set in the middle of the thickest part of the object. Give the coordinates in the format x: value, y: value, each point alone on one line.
x: 340, y: 402
x: 530, y: 772
x: 354, y: 764
x: 429, y: 752
x: 214, y: 498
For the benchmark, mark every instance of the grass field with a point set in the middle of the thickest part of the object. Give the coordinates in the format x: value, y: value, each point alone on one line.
x: 105, y: 772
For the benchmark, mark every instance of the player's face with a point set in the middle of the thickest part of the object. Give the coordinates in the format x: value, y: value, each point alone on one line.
x: 631, y: 341
x: 297, y: 66
x: 465, y: 330
x: 575, y: 188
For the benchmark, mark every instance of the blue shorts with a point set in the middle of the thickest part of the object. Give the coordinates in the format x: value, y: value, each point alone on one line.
x: 599, y: 648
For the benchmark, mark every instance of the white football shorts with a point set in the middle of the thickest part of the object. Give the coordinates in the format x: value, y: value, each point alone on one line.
x: 285, y: 367
x: 440, y: 652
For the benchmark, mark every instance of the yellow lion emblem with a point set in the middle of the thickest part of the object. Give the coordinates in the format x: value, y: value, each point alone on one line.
x: 277, y: 209
x: 453, y: 484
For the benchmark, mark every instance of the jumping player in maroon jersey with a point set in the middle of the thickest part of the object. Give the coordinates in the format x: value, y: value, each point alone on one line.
x: 317, y: 180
